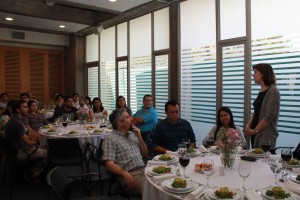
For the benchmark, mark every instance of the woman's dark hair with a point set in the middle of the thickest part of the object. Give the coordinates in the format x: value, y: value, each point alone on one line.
x: 8, y: 105
x: 120, y: 97
x: 101, y: 106
x: 90, y: 100
x: 267, y: 72
x: 219, y: 123
x: 30, y: 102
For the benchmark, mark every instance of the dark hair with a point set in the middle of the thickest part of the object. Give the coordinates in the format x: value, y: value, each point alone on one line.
x: 24, y: 94
x: 67, y: 97
x: 30, y: 102
x: 58, y: 95
x: 75, y: 94
x: 147, y: 95
x: 8, y: 105
x: 120, y: 97
x: 219, y: 123
x: 267, y: 72
x: 114, y: 117
x: 90, y: 101
x: 171, y: 102
x: 4, y: 93
x: 101, y: 106
x: 17, y: 105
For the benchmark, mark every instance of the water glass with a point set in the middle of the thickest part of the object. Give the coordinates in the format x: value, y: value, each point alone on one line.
x: 208, y: 169
x: 244, y: 172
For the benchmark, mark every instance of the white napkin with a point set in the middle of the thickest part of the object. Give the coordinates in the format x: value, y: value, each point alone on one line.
x: 252, y: 195
x: 296, y: 170
x: 159, y: 179
x: 203, y: 149
x: 273, y: 158
x: 196, y: 193
x: 152, y: 162
x: 294, y: 187
x: 173, y: 153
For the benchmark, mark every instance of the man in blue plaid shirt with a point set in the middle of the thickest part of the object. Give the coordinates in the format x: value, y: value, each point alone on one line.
x: 123, y: 150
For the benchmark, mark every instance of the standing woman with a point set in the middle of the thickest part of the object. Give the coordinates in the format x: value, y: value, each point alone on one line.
x: 121, y: 105
x: 224, y: 119
x: 98, y: 109
x: 263, y: 123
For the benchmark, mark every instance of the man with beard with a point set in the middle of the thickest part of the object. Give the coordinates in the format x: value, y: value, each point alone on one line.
x: 66, y: 110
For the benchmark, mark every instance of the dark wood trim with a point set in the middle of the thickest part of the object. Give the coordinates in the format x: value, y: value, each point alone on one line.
x: 92, y: 64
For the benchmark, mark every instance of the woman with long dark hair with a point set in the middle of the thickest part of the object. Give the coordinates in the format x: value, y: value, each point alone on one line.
x: 224, y: 119
x: 121, y: 105
x: 98, y: 109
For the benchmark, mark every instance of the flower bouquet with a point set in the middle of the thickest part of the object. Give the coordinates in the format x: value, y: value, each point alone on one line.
x: 227, y: 140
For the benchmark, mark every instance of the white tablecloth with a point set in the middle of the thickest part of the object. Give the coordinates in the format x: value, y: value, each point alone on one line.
x: 83, y: 136
x: 261, y: 176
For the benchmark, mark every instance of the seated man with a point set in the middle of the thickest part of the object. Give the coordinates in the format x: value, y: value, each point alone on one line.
x: 123, y: 150
x: 66, y: 110
x: 146, y: 118
x: 24, y: 142
x: 170, y: 132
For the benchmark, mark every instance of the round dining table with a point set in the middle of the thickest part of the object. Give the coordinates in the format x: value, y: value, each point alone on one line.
x: 84, y: 133
x: 261, y: 176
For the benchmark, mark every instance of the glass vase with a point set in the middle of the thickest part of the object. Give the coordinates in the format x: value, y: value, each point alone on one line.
x: 227, y: 156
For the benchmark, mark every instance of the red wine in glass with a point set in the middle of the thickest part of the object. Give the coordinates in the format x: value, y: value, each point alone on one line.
x: 65, y: 124
x: 210, y: 142
x: 184, y: 161
x: 265, y: 147
x: 286, y: 156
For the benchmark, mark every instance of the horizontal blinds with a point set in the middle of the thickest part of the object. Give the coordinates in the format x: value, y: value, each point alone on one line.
x: 161, y: 84
x: 108, y: 84
x: 140, y: 81
x: 93, y: 82
x: 123, y: 79
x: 198, y: 84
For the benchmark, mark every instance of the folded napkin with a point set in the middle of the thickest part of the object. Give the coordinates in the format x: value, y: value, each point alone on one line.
x: 196, y: 193
x: 152, y: 162
x: 159, y: 179
x: 252, y: 195
x: 173, y: 153
x: 294, y: 187
x: 203, y: 149
x: 273, y: 158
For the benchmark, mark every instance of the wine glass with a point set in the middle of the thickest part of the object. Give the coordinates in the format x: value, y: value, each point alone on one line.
x: 286, y: 155
x: 186, y: 141
x: 65, y: 124
x: 244, y: 172
x: 276, y: 168
x: 208, y: 169
x: 184, y: 161
x: 181, y: 149
x: 265, y: 146
x: 210, y: 140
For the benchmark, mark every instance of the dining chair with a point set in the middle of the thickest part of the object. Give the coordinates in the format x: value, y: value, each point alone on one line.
x: 64, y: 152
x: 62, y: 185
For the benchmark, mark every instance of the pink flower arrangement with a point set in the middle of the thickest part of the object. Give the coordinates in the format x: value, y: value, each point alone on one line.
x: 227, y: 137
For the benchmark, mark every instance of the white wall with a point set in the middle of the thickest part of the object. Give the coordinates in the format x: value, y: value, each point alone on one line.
x: 34, y: 38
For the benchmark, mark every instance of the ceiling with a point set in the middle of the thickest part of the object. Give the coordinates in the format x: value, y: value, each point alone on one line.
x: 78, y: 16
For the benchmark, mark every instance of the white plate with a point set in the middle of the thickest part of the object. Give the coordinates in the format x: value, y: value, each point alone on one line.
x: 51, y: 132
x: 173, y: 160
x: 263, y: 194
x: 74, y: 134
x: 293, y: 178
x: 293, y: 166
x: 96, y: 133
x: 195, y: 153
x: 167, y: 185
x: 213, y: 149
x: 250, y: 153
x: 237, y: 196
x: 150, y: 172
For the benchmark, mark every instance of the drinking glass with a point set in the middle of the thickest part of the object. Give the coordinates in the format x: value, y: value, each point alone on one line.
x: 186, y: 141
x: 210, y: 140
x: 65, y: 124
x: 181, y: 149
x: 208, y: 169
x: 276, y: 168
x: 244, y: 172
x: 265, y: 146
x: 184, y: 161
x: 286, y: 155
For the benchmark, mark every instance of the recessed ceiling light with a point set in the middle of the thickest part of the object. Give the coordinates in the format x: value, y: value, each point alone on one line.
x: 112, y: 0
x: 9, y: 18
x: 62, y: 26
